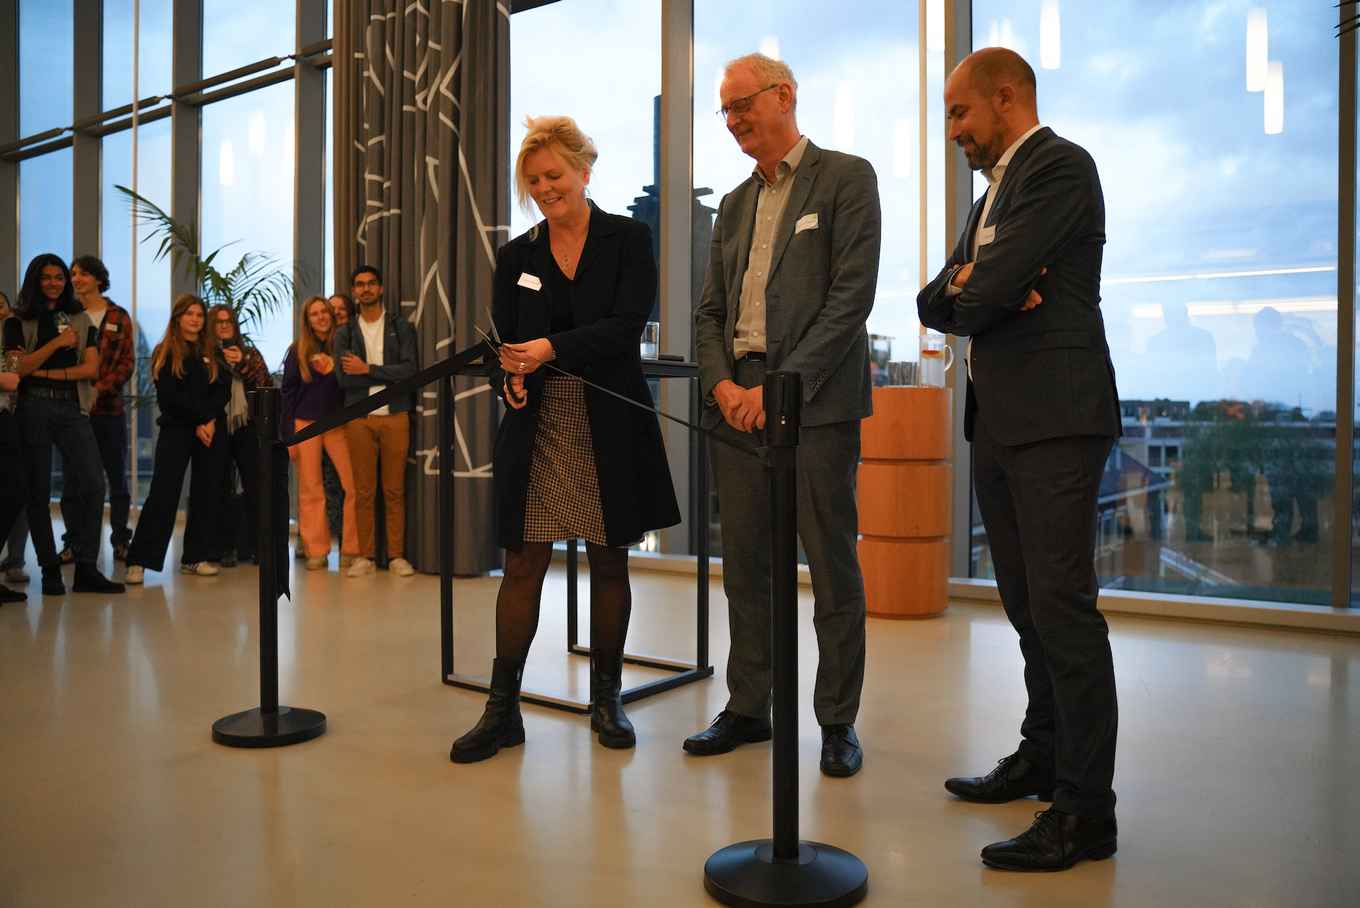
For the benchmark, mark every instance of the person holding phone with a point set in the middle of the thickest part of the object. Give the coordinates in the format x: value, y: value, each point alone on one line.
x: 248, y: 371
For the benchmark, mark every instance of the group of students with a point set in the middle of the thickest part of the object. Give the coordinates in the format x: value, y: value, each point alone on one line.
x: 69, y: 352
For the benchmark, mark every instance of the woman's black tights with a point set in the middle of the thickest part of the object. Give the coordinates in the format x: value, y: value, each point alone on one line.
x: 517, y: 603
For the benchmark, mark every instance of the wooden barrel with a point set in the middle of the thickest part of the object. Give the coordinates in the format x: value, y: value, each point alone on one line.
x: 904, y: 499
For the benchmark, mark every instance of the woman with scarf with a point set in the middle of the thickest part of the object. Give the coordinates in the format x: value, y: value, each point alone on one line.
x: 248, y: 371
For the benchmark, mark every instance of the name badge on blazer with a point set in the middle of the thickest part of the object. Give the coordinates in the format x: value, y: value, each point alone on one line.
x: 113, y: 329
x: 806, y: 222
x: 986, y: 235
x: 528, y: 280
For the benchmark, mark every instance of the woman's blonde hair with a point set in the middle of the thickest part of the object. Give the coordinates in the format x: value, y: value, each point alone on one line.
x: 308, y: 344
x: 561, y: 135
x: 174, y: 349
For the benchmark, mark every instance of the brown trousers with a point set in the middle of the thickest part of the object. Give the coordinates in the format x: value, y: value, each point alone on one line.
x: 384, y: 439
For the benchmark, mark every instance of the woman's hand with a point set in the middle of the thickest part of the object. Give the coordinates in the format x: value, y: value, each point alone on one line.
x: 9, y: 381
x: 516, y: 395
x: 322, y: 363
x: 524, y: 359
x: 233, y: 355
x: 205, y: 433
x: 66, y: 337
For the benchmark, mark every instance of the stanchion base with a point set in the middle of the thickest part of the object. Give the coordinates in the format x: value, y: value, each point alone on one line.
x: 256, y: 728
x: 746, y: 874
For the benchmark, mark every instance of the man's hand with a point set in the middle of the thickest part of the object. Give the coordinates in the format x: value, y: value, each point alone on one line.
x: 353, y: 365
x: 205, y: 433
x: 961, y: 277
x: 742, y: 408
x: 516, y: 396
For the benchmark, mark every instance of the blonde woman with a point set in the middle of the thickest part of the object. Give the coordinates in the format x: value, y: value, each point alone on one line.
x: 192, y: 387
x: 571, y: 461
x: 310, y: 392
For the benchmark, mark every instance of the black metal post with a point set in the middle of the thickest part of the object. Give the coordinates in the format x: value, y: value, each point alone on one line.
x: 782, y: 870
x: 444, y: 531
x: 270, y: 725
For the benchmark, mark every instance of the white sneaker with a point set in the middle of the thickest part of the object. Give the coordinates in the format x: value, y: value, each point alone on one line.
x: 200, y: 568
x: 401, y: 567
x: 134, y: 574
x: 361, y: 567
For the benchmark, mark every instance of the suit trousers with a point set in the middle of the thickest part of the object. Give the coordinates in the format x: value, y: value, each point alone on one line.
x: 177, y: 448
x: 373, y: 440
x: 828, y: 526
x: 1038, y: 504
x: 46, y: 423
x: 312, y: 525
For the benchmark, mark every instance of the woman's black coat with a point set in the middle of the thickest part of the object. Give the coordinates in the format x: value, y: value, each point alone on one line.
x: 615, y: 288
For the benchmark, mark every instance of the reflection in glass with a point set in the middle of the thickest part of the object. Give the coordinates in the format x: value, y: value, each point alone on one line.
x: 1219, y: 299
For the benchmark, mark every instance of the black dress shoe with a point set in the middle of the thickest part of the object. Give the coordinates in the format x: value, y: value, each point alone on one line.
x: 52, y: 584
x: 89, y: 580
x: 1056, y: 841
x: 1014, y: 777
x: 9, y: 595
x: 728, y: 732
x: 841, y: 754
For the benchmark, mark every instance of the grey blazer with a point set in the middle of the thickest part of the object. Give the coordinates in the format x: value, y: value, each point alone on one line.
x: 820, y: 291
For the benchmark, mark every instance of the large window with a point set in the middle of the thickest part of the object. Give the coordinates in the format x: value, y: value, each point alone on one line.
x: 1215, y: 130
x: 47, y: 60
x: 44, y: 207
x: 247, y: 198
x: 238, y: 32
x: 154, y: 50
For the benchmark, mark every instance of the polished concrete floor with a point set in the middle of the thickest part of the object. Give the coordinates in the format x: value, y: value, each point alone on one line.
x: 1238, y: 775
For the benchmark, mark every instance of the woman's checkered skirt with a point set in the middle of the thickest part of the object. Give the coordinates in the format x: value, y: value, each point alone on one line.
x: 563, y: 500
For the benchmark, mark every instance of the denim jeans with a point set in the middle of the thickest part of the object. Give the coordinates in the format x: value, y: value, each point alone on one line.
x: 44, y: 423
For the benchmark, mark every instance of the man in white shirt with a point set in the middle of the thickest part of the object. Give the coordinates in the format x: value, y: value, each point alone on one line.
x: 376, y: 349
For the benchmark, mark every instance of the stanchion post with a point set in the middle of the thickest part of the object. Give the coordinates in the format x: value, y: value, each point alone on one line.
x: 270, y: 725
x: 782, y: 870
x: 444, y: 530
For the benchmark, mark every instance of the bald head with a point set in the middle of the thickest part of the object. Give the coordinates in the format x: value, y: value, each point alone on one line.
x: 990, y: 102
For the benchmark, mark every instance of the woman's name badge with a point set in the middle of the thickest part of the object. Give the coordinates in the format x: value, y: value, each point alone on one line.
x: 528, y: 280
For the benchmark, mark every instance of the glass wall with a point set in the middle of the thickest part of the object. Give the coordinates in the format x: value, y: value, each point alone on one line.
x: 44, y: 207
x: 1215, y: 130
x: 238, y: 32
x: 154, y: 50
x: 246, y: 203
x: 46, y: 28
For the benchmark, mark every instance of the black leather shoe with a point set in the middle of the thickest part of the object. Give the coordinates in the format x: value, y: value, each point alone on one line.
x: 52, y: 584
x: 606, y: 708
x: 501, y: 724
x: 89, y: 580
x: 728, y: 732
x: 841, y: 754
x: 1014, y: 777
x: 1056, y: 841
x: 9, y: 595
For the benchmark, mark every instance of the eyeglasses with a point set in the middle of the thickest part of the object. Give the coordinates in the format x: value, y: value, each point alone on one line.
x: 741, y: 105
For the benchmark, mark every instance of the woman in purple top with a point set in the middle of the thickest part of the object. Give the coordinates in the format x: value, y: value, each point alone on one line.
x: 309, y: 393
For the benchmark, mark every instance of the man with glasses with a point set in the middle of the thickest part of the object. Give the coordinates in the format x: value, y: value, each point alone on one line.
x: 791, y: 278
x: 374, y: 350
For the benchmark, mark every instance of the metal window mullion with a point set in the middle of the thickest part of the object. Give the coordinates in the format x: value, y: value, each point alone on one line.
x: 9, y: 132
x: 958, y: 188
x: 309, y: 154
x: 1345, y: 316
x: 87, y: 49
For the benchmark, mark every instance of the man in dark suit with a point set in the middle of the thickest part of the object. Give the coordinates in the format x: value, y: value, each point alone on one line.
x: 791, y: 278
x: 1042, y: 412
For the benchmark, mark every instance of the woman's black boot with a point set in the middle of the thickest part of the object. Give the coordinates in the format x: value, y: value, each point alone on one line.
x: 501, y: 724
x: 606, y: 709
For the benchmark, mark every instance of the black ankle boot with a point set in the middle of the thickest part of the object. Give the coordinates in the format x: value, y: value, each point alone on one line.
x: 501, y: 724
x: 52, y: 584
x: 606, y: 709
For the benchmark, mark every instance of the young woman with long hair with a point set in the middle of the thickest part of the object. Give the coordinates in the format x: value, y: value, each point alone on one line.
x: 248, y: 372
x: 192, y: 387
x: 310, y: 392
x: 58, y: 362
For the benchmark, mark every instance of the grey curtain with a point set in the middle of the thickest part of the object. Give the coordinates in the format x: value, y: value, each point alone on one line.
x: 421, y: 95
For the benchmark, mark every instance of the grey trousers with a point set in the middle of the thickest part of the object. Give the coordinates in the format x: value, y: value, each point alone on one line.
x: 828, y: 525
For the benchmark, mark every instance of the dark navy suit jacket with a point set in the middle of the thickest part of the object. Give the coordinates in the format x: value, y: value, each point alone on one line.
x: 1045, y: 373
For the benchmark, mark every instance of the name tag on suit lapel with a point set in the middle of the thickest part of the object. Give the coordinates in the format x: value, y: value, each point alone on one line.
x: 806, y: 222
x: 986, y: 235
x: 528, y: 280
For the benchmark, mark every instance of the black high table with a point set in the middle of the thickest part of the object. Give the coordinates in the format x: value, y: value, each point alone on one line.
x: 683, y: 672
